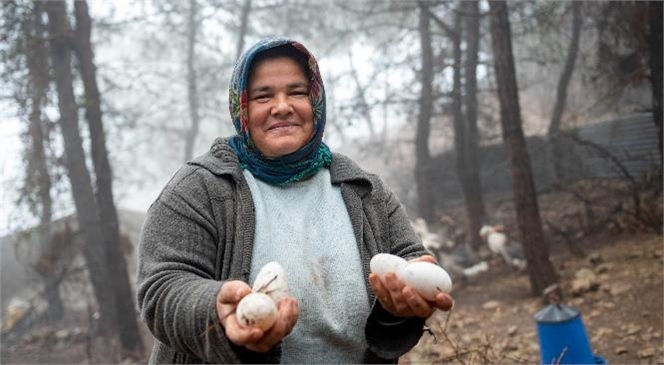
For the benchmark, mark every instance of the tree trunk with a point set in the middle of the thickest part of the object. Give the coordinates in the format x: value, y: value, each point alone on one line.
x: 540, y: 269
x: 36, y: 59
x: 124, y: 299
x: 422, y: 154
x: 87, y: 211
x: 465, y: 126
x: 460, y: 133
x: 655, y: 40
x: 244, y: 23
x: 556, y: 150
x: 192, y: 87
x: 475, y: 202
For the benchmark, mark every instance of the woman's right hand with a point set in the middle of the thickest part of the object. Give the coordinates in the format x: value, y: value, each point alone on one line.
x: 254, y: 339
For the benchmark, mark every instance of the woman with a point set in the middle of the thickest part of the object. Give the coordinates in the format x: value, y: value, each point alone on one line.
x: 275, y: 192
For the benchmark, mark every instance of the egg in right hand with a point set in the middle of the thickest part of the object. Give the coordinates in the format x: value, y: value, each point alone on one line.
x: 426, y: 278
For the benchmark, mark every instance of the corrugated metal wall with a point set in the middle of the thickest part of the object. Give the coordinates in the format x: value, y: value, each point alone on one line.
x: 632, y: 140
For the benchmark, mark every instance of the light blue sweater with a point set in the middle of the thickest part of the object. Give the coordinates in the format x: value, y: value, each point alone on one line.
x: 306, y: 228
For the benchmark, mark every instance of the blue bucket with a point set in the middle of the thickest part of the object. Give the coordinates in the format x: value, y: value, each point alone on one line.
x: 562, y: 337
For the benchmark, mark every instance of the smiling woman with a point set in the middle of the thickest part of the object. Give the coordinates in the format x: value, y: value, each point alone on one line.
x: 258, y: 74
x: 275, y: 193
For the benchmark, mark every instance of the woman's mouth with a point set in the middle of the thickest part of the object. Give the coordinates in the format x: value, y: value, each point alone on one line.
x: 281, y: 125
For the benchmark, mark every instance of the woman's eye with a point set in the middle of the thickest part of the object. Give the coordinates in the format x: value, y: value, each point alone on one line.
x: 261, y: 98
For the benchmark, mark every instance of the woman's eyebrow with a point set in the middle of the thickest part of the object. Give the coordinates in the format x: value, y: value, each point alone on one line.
x: 290, y: 86
x: 298, y: 84
x: 260, y: 88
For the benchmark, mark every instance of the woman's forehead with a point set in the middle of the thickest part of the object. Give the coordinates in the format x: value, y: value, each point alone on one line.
x: 273, y: 67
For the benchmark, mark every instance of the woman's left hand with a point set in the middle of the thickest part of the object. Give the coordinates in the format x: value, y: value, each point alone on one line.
x: 402, y: 300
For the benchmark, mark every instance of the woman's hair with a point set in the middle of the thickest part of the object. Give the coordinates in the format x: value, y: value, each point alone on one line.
x: 287, y: 51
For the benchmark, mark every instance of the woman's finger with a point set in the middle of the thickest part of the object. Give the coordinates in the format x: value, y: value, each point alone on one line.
x: 444, y: 301
x: 416, y: 303
x: 231, y: 292
x: 287, y: 317
x: 382, y: 294
x: 395, y: 286
x: 425, y: 258
x: 241, y: 335
x: 229, y: 296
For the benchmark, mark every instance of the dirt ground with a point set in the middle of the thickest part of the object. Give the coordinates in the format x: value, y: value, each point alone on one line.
x: 621, y: 307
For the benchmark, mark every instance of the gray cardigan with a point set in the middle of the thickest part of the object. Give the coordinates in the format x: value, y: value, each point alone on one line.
x: 199, y: 233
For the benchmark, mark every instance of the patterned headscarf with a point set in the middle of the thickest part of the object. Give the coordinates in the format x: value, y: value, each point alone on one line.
x: 295, y: 166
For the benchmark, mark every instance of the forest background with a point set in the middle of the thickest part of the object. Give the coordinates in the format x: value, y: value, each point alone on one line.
x: 102, y: 101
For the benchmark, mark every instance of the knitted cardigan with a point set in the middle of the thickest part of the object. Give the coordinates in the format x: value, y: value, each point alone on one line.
x: 199, y: 233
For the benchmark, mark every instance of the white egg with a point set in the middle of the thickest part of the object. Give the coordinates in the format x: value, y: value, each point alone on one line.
x: 256, y: 310
x: 271, y: 280
x: 426, y: 278
x: 384, y: 263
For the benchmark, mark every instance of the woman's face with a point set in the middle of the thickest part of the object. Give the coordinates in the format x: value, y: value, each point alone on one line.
x: 281, y: 118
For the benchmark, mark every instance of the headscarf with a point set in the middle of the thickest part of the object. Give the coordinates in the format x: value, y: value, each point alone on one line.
x: 295, y: 166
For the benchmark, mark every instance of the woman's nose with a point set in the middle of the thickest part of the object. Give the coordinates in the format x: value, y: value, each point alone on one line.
x: 282, y: 105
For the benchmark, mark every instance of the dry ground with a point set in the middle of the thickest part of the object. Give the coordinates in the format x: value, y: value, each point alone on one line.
x: 493, y: 319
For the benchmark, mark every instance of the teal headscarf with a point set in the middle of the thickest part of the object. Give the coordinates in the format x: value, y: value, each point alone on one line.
x: 295, y: 166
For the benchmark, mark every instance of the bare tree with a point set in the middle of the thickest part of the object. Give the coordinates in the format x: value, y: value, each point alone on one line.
x: 561, y: 94
x: 363, y: 106
x: 540, y: 269
x: 465, y: 126
x: 124, y: 299
x: 38, y: 176
x: 423, y: 156
x: 460, y: 131
x: 87, y: 210
x: 474, y: 199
